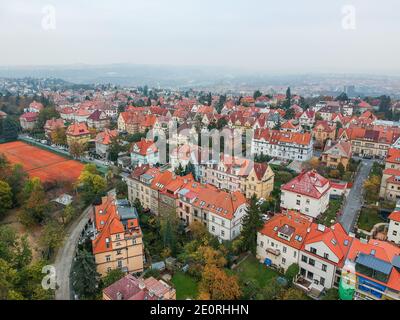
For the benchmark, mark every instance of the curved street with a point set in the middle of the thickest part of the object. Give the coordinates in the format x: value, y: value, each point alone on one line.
x: 66, y: 254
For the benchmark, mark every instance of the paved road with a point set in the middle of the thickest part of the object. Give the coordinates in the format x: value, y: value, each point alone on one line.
x: 355, y: 198
x: 66, y: 254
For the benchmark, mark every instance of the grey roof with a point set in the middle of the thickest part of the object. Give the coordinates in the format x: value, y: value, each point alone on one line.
x: 147, y: 176
x: 122, y: 203
x: 374, y: 263
x: 396, y: 261
x: 127, y: 213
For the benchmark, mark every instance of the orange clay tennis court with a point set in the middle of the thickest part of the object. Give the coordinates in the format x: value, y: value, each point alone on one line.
x: 40, y: 163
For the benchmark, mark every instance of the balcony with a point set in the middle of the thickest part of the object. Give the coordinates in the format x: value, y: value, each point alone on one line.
x: 276, y: 252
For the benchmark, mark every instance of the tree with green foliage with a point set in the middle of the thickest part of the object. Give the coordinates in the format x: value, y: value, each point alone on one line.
x: 180, y: 171
x: 289, y: 114
x: 341, y: 169
x: 46, y: 114
x: 85, y: 279
x: 112, y: 277
x: 5, y: 198
x: 288, y: 101
x: 91, y: 184
x: 331, y: 294
x: 34, y: 208
x: 257, y: 94
x: 19, y: 278
x: 52, y: 237
x: 291, y: 272
x: 68, y: 214
x: 252, y: 223
x: 190, y: 169
x: 342, y: 97
x: 138, y: 205
x: 114, y: 149
x: 169, y: 227
x: 9, y: 129
x: 271, y: 291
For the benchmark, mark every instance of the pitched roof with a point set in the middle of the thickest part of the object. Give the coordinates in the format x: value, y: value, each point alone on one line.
x: 395, y: 216
x: 105, y: 137
x: 144, y: 147
x: 297, y: 223
x: 335, y: 238
x: 380, y: 251
x: 97, y: 115
x: 53, y: 123
x: 308, y: 183
x: 132, y: 288
x: 341, y: 148
x: 78, y: 129
x: 277, y: 137
x: 393, y: 156
x: 108, y: 221
x: 29, y: 116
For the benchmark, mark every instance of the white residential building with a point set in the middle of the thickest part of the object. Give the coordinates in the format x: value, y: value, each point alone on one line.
x: 308, y: 193
x: 144, y: 152
x: 283, y: 145
x: 394, y: 227
x: 280, y: 240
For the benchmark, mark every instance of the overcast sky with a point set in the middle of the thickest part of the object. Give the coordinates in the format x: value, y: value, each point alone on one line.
x: 284, y: 35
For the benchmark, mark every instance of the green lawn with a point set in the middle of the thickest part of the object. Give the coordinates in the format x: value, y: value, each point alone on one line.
x: 185, y: 285
x: 368, y: 218
x: 252, y: 269
x: 331, y: 213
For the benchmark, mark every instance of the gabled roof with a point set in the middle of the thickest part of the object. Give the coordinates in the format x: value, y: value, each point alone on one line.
x: 97, y: 115
x: 335, y: 238
x: 144, y: 147
x: 78, y: 129
x: 29, y: 116
x: 341, y: 148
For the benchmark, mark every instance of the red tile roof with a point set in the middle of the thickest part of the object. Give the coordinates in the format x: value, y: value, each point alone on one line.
x: 78, y: 129
x: 276, y: 136
x: 308, y: 183
x: 295, y: 222
x: 144, y: 147
x: 395, y: 216
x: 335, y: 238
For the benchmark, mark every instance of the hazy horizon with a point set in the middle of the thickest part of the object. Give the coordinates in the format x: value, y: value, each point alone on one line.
x: 256, y: 36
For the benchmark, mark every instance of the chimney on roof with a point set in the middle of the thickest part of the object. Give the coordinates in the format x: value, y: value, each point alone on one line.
x: 119, y: 296
x: 141, y: 285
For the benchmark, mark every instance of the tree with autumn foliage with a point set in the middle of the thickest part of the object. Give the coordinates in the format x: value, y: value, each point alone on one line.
x: 77, y: 149
x: 34, y: 208
x: 91, y: 183
x: 59, y: 136
x: 371, y: 187
x: 216, y: 284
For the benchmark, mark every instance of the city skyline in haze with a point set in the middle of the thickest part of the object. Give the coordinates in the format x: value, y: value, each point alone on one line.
x: 264, y: 36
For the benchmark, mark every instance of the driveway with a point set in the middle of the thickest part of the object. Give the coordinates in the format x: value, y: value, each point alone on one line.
x: 354, y: 200
x: 66, y: 255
